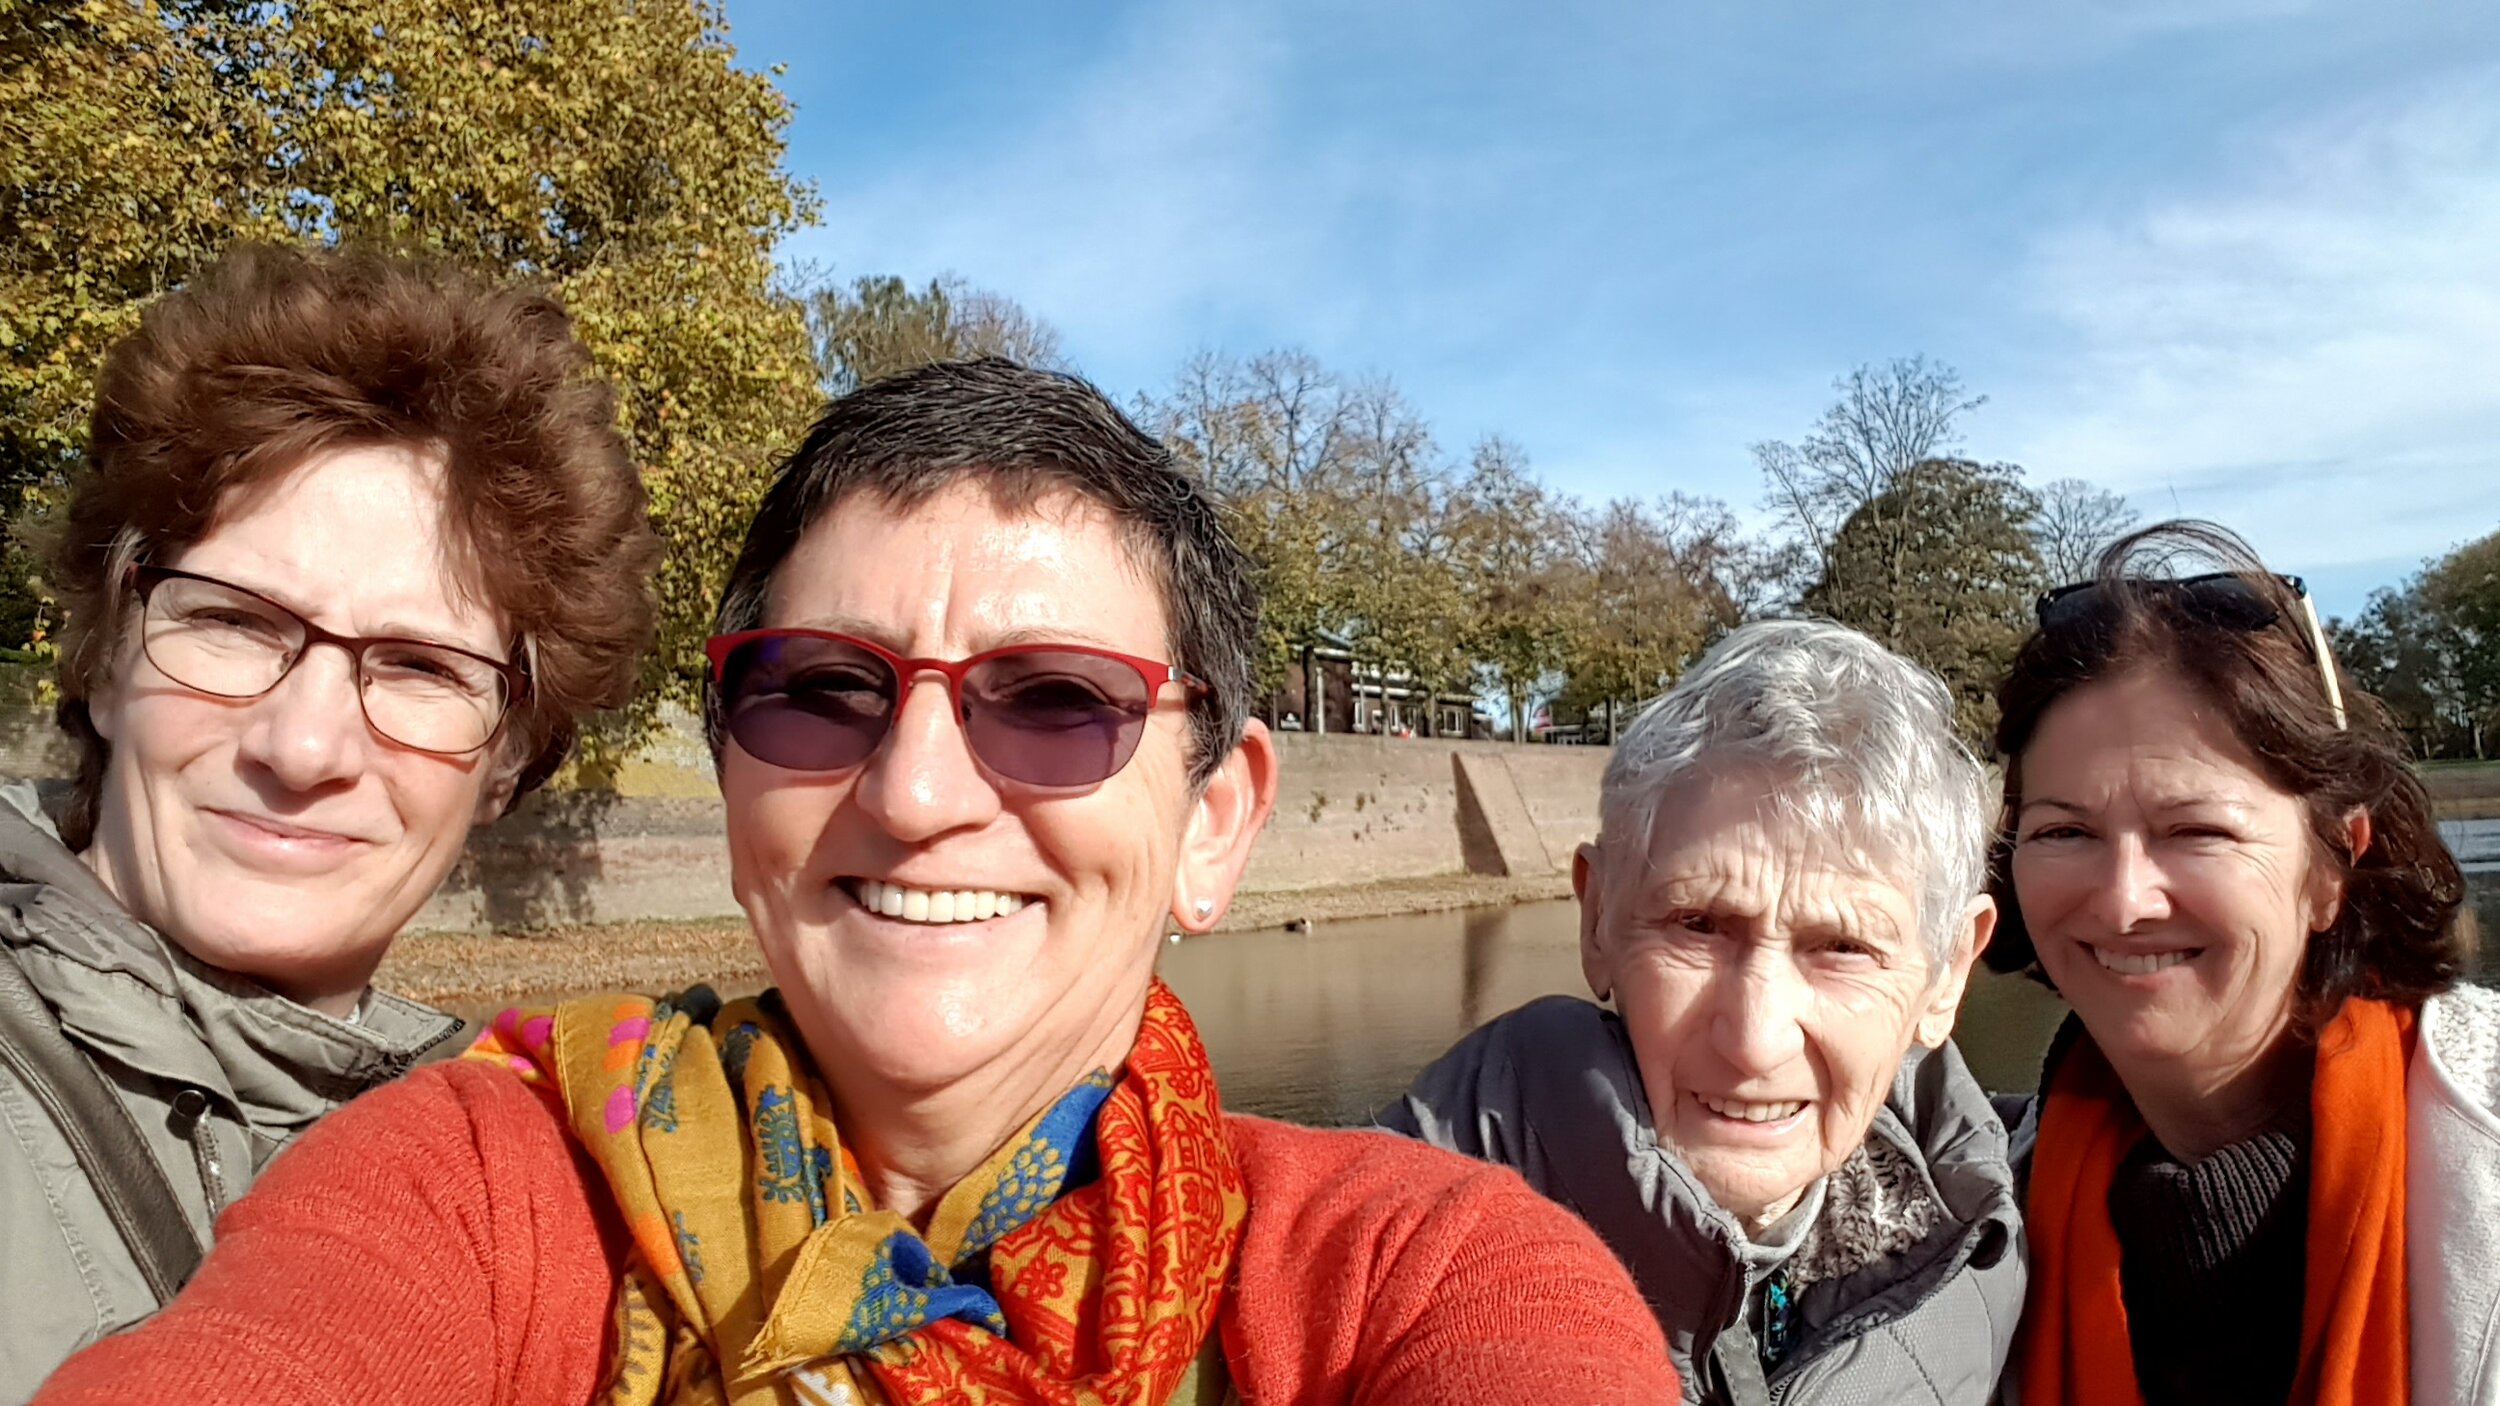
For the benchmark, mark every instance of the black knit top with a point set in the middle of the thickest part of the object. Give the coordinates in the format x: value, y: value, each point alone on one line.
x: 2212, y: 1258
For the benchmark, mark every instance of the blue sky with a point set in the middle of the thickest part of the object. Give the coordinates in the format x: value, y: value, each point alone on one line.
x: 2233, y: 258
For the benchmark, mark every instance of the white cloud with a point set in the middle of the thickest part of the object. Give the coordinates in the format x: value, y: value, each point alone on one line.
x: 2307, y: 349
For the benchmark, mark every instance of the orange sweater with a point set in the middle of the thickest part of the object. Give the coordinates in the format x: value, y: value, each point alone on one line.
x: 438, y: 1242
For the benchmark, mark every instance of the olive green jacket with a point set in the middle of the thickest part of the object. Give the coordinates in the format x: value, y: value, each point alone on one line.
x: 217, y: 1073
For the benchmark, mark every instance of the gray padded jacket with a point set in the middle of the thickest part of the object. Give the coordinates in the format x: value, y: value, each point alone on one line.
x: 1912, y: 1268
x: 217, y: 1073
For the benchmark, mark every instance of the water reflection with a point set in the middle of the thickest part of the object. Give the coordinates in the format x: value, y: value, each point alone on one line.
x: 1324, y: 1027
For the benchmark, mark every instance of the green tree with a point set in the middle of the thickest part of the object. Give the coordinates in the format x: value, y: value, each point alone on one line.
x: 1941, y: 566
x: 880, y: 325
x: 2398, y: 650
x: 1273, y: 437
x: 1886, y: 420
x: 610, y: 150
x: 2430, y: 651
x: 1650, y: 591
x: 1512, y: 547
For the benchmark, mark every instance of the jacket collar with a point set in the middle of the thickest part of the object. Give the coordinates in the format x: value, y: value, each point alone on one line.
x: 1696, y: 1268
x: 127, y: 994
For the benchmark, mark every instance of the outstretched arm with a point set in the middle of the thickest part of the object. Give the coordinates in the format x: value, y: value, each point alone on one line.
x: 1507, y: 1289
x: 433, y: 1242
x: 1376, y: 1271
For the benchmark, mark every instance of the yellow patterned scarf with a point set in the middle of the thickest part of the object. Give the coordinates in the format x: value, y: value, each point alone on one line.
x: 1083, y: 1263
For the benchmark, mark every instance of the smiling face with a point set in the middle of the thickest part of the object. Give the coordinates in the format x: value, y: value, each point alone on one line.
x: 2169, y: 888
x: 279, y: 837
x: 1769, y: 984
x: 858, y: 881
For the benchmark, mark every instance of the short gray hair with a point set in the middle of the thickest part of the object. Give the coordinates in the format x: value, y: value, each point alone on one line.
x: 1867, y: 735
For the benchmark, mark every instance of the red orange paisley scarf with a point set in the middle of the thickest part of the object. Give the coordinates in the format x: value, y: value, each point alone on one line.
x: 1085, y: 1262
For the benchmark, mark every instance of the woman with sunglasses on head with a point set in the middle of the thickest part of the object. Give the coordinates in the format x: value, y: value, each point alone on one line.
x: 2262, y: 1167
x: 354, y: 548
x: 979, y: 700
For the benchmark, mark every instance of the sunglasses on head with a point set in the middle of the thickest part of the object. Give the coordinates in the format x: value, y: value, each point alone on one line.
x: 1059, y: 715
x: 2224, y: 599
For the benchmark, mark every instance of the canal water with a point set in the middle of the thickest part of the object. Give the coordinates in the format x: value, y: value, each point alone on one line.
x: 1324, y: 1027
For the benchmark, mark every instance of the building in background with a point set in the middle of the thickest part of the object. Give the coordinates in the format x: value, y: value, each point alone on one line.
x: 1359, y: 696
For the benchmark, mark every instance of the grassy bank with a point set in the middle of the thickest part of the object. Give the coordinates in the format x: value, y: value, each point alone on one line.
x: 471, y: 972
x: 2463, y: 790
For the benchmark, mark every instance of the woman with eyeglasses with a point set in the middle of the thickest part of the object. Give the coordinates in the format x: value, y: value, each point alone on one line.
x: 980, y: 704
x: 355, y: 546
x: 2262, y: 1166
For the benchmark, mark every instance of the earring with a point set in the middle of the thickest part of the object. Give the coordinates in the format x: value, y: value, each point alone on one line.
x: 1205, y: 907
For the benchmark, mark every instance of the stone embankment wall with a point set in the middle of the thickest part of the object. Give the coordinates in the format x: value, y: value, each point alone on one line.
x: 1350, y: 810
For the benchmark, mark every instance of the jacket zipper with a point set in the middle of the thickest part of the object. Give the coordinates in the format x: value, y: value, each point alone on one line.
x: 191, y: 1114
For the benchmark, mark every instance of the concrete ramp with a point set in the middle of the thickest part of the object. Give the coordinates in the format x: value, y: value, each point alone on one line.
x: 1496, y: 832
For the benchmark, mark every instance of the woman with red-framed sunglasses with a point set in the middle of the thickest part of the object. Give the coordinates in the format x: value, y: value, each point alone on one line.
x: 979, y: 700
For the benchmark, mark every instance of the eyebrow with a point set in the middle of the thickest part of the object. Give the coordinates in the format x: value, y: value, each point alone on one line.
x: 390, y: 629
x: 1020, y: 636
x: 2158, y: 807
x: 1748, y: 921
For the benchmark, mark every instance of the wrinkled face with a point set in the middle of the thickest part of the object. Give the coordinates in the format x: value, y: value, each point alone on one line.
x: 280, y: 837
x: 2169, y: 888
x: 919, y: 1003
x: 1770, y: 985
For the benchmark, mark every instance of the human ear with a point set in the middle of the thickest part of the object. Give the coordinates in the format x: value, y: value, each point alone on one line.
x: 1944, y: 997
x: 2326, y: 897
x: 503, y: 776
x: 1588, y: 885
x: 1224, y: 823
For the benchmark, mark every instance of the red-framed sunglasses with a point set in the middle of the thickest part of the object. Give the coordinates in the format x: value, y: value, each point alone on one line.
x: 1058, y: 715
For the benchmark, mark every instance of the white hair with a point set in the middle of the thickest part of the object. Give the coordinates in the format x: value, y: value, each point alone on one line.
x: 1861, y: 738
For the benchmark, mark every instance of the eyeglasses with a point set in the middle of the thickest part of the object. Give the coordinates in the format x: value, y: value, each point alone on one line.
x: 217, y: 638
x: 2223, y: 599
x: 1059, y: 715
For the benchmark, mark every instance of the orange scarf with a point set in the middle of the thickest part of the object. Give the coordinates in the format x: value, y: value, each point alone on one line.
x: 761, y: 1276
x: 2073, y: 1349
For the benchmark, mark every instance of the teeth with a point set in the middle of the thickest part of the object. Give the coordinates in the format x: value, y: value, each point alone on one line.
x: 934, y: 905
x: 1750, y: 1112
x: 2140, y: 964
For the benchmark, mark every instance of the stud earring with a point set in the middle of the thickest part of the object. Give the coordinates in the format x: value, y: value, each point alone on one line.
x: 1205, y: 907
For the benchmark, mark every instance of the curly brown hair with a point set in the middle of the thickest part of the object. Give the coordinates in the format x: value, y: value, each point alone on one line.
x: 2402, y: 933
x: 273, y: 356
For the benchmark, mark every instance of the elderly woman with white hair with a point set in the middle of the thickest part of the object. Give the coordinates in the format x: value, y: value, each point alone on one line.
x: 1766, y: 1118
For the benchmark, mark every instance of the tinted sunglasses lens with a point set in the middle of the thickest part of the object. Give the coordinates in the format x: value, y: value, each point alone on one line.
x: 807, y: 704
x: 2066, y: 605
x: 1050, y: 717
x: 2226, y: 601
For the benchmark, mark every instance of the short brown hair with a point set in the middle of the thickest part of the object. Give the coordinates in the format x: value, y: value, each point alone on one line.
x: 2401, y: 934
x: 273, y: 356
x: 1019, y: 433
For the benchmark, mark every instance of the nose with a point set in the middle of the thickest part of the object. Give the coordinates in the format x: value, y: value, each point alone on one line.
x: 922, y: 781
x: 2133, y: 893
x: 309, y: 730
x: 1758, y: 1022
